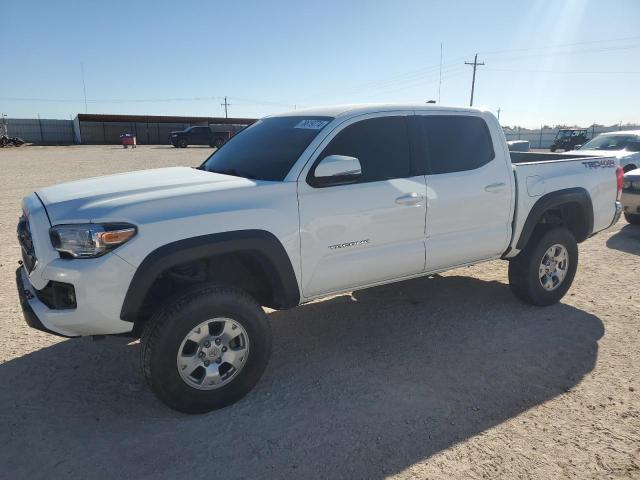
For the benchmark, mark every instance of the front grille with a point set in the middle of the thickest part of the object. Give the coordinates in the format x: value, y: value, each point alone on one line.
x: 26, y: 244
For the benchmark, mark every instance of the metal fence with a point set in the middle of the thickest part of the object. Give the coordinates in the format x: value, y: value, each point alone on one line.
x: 543, y: 137
x: 42, y: 131
x: 100, y: 133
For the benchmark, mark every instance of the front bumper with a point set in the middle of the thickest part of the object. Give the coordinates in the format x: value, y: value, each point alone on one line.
x: 26, y: 295
x: 99, y: 285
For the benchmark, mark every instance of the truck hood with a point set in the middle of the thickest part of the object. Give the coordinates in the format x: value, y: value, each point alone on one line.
x: 118, y: 197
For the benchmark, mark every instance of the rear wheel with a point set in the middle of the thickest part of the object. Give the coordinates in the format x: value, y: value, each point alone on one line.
x: 218, y: 142
x: 205, y: 349
x: 182, y: 143
x: 543, y: 272
x: 632, y: 218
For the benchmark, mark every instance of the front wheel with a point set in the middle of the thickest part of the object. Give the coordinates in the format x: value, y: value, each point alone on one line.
x: 542, y: 273
x: 632, y: 218
x: 206, y: 349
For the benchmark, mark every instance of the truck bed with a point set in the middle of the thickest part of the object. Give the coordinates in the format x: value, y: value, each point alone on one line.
x: 533, y: 157
x: 539, y: 174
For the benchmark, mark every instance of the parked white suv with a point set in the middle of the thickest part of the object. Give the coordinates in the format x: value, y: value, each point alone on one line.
x: 296, y: 207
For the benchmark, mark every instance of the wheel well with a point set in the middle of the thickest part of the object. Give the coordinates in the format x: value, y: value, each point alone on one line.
x: 246, y: 270
x: 628, y: 168
x: 571, y: 215
x: 571, y: 208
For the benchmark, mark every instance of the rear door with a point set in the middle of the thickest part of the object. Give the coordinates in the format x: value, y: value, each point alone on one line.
x: 370, y: 231
x: 469, y: 189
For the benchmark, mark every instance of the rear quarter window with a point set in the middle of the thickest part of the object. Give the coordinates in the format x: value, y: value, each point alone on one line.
x: 454, y: 143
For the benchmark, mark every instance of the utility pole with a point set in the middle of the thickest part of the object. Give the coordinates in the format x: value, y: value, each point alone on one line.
x: 473, y: 82
x: 499, y: 110
x: 226, y: 105
x: 84, y: 87
x: 440, y: 81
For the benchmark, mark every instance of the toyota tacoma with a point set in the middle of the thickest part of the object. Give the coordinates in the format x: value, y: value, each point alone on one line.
x: 297, y: 207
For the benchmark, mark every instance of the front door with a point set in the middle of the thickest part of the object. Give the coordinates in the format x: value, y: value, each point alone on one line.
x: 369, y: 231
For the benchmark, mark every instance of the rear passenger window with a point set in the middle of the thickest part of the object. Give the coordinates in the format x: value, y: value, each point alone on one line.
x: 456, y: 144
x: 381, y: 145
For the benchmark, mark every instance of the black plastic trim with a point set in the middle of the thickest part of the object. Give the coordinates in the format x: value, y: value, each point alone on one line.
x: 29, y: 315
x: 276, y: 264
x: 552, y: 200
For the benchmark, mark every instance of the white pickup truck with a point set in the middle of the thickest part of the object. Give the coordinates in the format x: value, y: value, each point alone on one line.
x: 297, y: 207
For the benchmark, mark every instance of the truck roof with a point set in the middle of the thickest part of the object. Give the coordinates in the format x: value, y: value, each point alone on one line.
x: 359, y: 109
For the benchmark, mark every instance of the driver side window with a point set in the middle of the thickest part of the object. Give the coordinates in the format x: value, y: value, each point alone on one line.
x: 380, y: 144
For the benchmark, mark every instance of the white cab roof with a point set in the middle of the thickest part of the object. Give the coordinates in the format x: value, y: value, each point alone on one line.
x: 336, y: 111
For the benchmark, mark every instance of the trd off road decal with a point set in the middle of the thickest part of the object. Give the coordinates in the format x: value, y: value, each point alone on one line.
x: 608, y: 163
x: 348, y: 244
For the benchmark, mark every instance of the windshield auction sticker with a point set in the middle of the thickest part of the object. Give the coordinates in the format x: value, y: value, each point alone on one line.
x: 311, y: 124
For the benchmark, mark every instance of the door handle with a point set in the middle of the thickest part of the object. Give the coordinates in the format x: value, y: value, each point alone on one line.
x: 412, y: 198
x: 495, y: 187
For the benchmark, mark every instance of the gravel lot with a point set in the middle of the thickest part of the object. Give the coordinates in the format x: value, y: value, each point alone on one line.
x: 443, y: 377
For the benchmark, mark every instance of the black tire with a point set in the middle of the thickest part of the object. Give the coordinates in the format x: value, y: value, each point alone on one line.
x: 632, y: 218
x: 524, y: 276
x: 182, y: 143
x: 164, y: 332
x: 553, y: 149
x: 218, y: 142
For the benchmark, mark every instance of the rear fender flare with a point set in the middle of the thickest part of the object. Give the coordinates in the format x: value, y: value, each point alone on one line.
x: 553, y: 200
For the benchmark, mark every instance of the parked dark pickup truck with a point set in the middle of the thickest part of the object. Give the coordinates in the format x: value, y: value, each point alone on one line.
x: 212, y: 135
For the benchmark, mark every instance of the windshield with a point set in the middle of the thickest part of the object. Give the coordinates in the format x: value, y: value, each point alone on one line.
x: 609, y: 142
x: 267, y: 149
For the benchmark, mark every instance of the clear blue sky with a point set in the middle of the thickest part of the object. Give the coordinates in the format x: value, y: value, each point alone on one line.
x: 564, y: 61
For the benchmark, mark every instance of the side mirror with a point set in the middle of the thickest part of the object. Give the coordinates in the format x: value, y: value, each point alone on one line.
x: 577, y: 147
x: 633, y: 147
x: 336, y: 170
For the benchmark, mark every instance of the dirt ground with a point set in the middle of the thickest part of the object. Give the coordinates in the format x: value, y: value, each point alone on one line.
x: 440, y: 378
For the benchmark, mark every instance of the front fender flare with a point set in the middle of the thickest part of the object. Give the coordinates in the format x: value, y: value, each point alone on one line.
x: 277, y: 264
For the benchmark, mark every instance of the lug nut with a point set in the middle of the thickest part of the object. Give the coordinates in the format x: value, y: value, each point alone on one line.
x: 201, y: 354
x: 218, y: 360
x: 207, y: 344
x: 224, y: 349
x: 206, y: 363
x: 218, y: 341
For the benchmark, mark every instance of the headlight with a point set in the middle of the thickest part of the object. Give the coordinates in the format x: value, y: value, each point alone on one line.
x: 90, y: 239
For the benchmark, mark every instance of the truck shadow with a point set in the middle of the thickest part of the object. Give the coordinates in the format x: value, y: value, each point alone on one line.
x: 627, y: 239
x: 359, y: 386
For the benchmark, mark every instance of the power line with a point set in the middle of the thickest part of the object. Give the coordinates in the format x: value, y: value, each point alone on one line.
x: 561, y: 71
x: 473, y: 82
